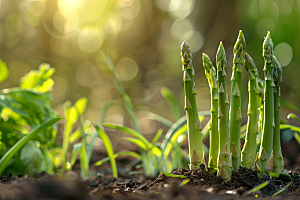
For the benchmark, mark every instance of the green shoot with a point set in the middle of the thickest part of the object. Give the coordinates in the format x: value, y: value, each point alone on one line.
x: 235, y: 101
x: 172, y: 175
x: 210, y: 73
x: 278, y: 158
x: 224, y: 157
x: 249, y: 149
x: 266, y: 149
x: 277, y: 174
x: 109, y: 149
x: 193, y: 122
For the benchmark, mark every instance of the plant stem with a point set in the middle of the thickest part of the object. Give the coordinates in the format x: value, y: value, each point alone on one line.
x: 210, y: 73
x: 224, y: 158
x: 278, y: 158
x: 249, y: 149
x: 235, y: 101
x: 265, y: 152
x: 193, y: 122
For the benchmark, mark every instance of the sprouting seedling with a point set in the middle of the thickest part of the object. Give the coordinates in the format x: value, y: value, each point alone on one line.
x: 193, y: 122
x: 249, y: 149
x: 278, y: 164
x: 266, y: 149
x: 224, y: 156
x: 172, y: 175
x: 235, y: 118
x: 211, y: 76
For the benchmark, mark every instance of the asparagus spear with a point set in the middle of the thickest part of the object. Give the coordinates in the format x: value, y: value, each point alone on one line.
x: 249, y: 149
x: 193, y: 122
x: 235, y: 101
x: 210, y: 73
x: 265, y: 152
x: 225, y: 157
x: 278, y: 164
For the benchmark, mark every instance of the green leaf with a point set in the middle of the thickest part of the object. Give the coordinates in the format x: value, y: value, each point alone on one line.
x: 109, y: 149
x: 129, y: 131
x: 31, y: 156
x: 136, y: 141
x: 293, y: 116
x: 103, y: 111
x: 75, y: 152
x: 277, y: 174
x: 259, y: 187
x: 160, y: 119
x: 39, y: 80
x: 184, y: 182
x: 2, y: 148
x: 9, y: 154
x: 84, y: 165
x: 292, y: 127
x: 213, y: 171
x: 157, y: 135
x: 297, y: 137
x: 284, y: 188
x: 3, y: 71
x: 172, y: 175
x: 124, y: 153
x: 167, y: 94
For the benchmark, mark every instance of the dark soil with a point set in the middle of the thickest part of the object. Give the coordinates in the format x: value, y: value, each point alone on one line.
x: 202, y: 185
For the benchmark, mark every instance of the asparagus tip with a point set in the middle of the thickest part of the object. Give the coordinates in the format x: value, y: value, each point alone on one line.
x: 269, y: 164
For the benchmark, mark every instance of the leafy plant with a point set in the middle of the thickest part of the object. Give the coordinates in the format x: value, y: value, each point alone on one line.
x: 23, y: 110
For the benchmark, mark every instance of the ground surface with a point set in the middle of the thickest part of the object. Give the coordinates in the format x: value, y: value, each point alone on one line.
x: 202, y: 184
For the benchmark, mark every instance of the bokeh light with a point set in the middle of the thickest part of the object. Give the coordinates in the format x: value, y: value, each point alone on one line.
x: 283, y: 53
x: 127, y: 68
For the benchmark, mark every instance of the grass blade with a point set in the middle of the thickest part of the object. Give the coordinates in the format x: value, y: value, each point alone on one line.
x: 103, y: 111
x: 277, y: 174
x: 9, y: 154
x: 110, y: 152
x: 292, y: 127
x: 184, y: 182
x: 172, y: 175
x: 127, y: 100
x: 259, y: 187
x: 124, y: 153
x: 167, y: 94
x: 75, y: 152
x: 160, y: 119
x: 136, y: 141
x: 283, y: 189
x: 297, y: 137
x: 128, y: 131
x: 293, y: 116
x: 157, y: 135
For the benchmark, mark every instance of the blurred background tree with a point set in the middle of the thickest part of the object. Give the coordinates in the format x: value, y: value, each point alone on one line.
x: 143, y: 38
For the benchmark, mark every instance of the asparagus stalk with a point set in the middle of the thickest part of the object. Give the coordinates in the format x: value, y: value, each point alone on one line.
x: 249, y: 149
x: 235, y: 101
x: 225, y: 157
x: 193, y: 122
x: 210, y: 73
x: 278, y: 164
x: 265, y: 152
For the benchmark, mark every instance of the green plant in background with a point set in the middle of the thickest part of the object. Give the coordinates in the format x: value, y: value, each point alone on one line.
x: 210, y: 73
x: 22, y: 110
x: 224, y: 156
x: 249, y: 149
x: 193, y: 122
x: 155, y: 155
